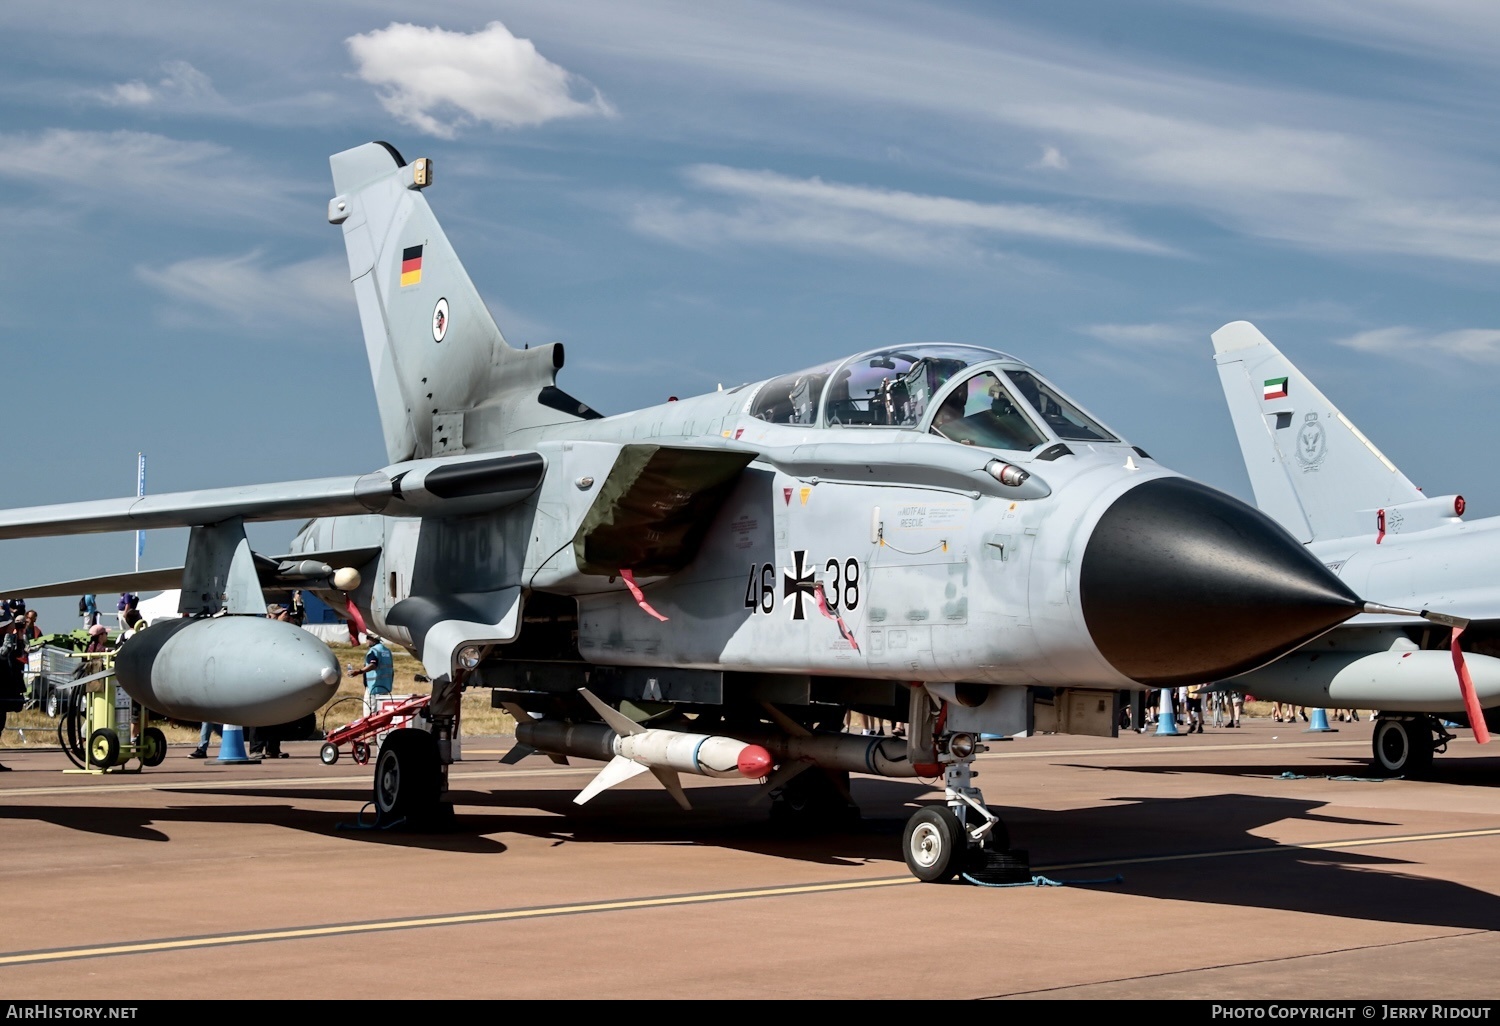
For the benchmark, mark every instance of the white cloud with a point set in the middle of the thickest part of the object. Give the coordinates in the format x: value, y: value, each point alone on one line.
x: 812, y: 213
x: 1052, y: 159
x: 1474, y: 345
x: 181, y: 86
x: 1147, y: 336
x: 249, y: 289
x: 439, y: 81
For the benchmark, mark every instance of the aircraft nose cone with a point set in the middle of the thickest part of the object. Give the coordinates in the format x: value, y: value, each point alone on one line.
x: 1182, y: 584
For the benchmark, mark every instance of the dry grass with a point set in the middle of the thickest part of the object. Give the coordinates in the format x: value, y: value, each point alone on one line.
x: 34, y: 728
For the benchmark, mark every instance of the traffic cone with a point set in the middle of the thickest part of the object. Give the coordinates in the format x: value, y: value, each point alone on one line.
x: 1319, y: 723
x: 1166, y: 719
x: 232, y: 746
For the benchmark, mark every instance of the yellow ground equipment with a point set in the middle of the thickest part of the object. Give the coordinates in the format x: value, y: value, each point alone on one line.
x: 100, y: 728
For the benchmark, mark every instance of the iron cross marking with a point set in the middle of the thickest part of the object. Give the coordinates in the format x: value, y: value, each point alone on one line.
x: 797, y: 583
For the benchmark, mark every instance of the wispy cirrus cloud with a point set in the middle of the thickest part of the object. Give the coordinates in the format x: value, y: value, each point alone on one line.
x: 172, y: 178
x: 439, y: 81
x: 180, y: 87
x: 1473, y: 345
x: 775, y: 209
x: 1155, y: 336
x: 249, y: 289
x: 1309, y: 167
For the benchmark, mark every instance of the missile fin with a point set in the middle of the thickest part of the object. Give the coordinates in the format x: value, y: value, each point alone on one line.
x: 618, y: 721
x: 561, y: 760
x: 670, y: 781
x: 516, y: 754
x: 778, y: 778
x: 784, y: 721
x: 618, y: 770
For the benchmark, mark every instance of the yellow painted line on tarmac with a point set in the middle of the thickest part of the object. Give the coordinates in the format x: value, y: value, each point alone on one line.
x: 663, y: 901
x: 457, y: 919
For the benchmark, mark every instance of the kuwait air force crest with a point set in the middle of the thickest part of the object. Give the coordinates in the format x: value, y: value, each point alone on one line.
x: 1312, y: 443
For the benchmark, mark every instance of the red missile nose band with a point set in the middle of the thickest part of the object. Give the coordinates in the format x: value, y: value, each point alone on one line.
x: 754, y: 762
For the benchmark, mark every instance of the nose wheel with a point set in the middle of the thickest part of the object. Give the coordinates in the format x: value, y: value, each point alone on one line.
x: 962, y: 837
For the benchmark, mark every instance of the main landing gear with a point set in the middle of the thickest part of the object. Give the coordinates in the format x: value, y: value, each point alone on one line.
x: 411, y: 771
x: 962, y: 837
x: 1403, y: 745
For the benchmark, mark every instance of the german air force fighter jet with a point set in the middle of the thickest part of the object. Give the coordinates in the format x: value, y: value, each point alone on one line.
x: 932, y: 534
x: 1318, y: 476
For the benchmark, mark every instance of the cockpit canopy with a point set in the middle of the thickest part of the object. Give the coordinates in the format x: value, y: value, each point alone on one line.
x: 971, y: 395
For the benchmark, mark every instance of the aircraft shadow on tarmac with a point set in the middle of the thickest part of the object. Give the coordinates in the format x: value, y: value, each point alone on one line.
x: 1203, y: 849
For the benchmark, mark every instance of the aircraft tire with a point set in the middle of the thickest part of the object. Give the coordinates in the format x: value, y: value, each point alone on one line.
x: 104, y: 748
x: 408, y: 777
x: 153, y: 747
x: 1402, y: 748
x: 934, y: 844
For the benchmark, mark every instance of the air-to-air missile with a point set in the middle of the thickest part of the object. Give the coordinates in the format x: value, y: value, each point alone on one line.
x: 632, y: 749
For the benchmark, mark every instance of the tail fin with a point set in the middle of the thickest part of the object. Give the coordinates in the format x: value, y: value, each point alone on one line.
x: 445, y: 379
x: 1313, y: 471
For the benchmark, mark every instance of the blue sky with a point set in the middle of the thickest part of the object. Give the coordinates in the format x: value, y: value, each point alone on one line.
x: 688, y: 194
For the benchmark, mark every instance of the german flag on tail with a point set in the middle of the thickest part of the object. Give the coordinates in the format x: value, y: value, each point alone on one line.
x: 411, y: 265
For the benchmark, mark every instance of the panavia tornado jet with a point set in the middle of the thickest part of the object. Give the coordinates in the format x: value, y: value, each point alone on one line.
x: 935, y: 535
x: 1326, y: 483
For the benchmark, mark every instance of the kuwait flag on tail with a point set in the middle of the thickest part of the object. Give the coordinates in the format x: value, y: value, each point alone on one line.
x: 1275, y: 387
x: 411, y: 265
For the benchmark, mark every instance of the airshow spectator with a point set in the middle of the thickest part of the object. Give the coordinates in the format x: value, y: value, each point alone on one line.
x: 12, y: 683
x: 379, y: 672
x: 88, y: 608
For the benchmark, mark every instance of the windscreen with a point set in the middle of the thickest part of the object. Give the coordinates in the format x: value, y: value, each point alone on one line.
x: 1065, y: 420
x: 981, y: 411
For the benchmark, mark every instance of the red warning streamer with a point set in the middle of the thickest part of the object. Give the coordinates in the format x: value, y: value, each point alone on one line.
x: 355, y: 618
x: 1466, y: 686
x: 836, y: 618
x: 640, y: 597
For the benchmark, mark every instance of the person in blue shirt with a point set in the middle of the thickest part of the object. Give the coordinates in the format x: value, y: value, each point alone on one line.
x: 379, y: 672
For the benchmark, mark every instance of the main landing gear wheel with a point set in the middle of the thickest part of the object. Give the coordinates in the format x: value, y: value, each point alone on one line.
x: 408, y: 778
x: 104, y: 748
x: 153, y: 747
x: 329, y: 753
x: 1403, y: 747
x: 934, y: 844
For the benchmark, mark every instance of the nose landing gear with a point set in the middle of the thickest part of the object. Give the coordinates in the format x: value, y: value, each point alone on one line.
x: 961, y: 838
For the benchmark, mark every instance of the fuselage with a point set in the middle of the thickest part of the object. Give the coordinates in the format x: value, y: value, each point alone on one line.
x: 919, y: 565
